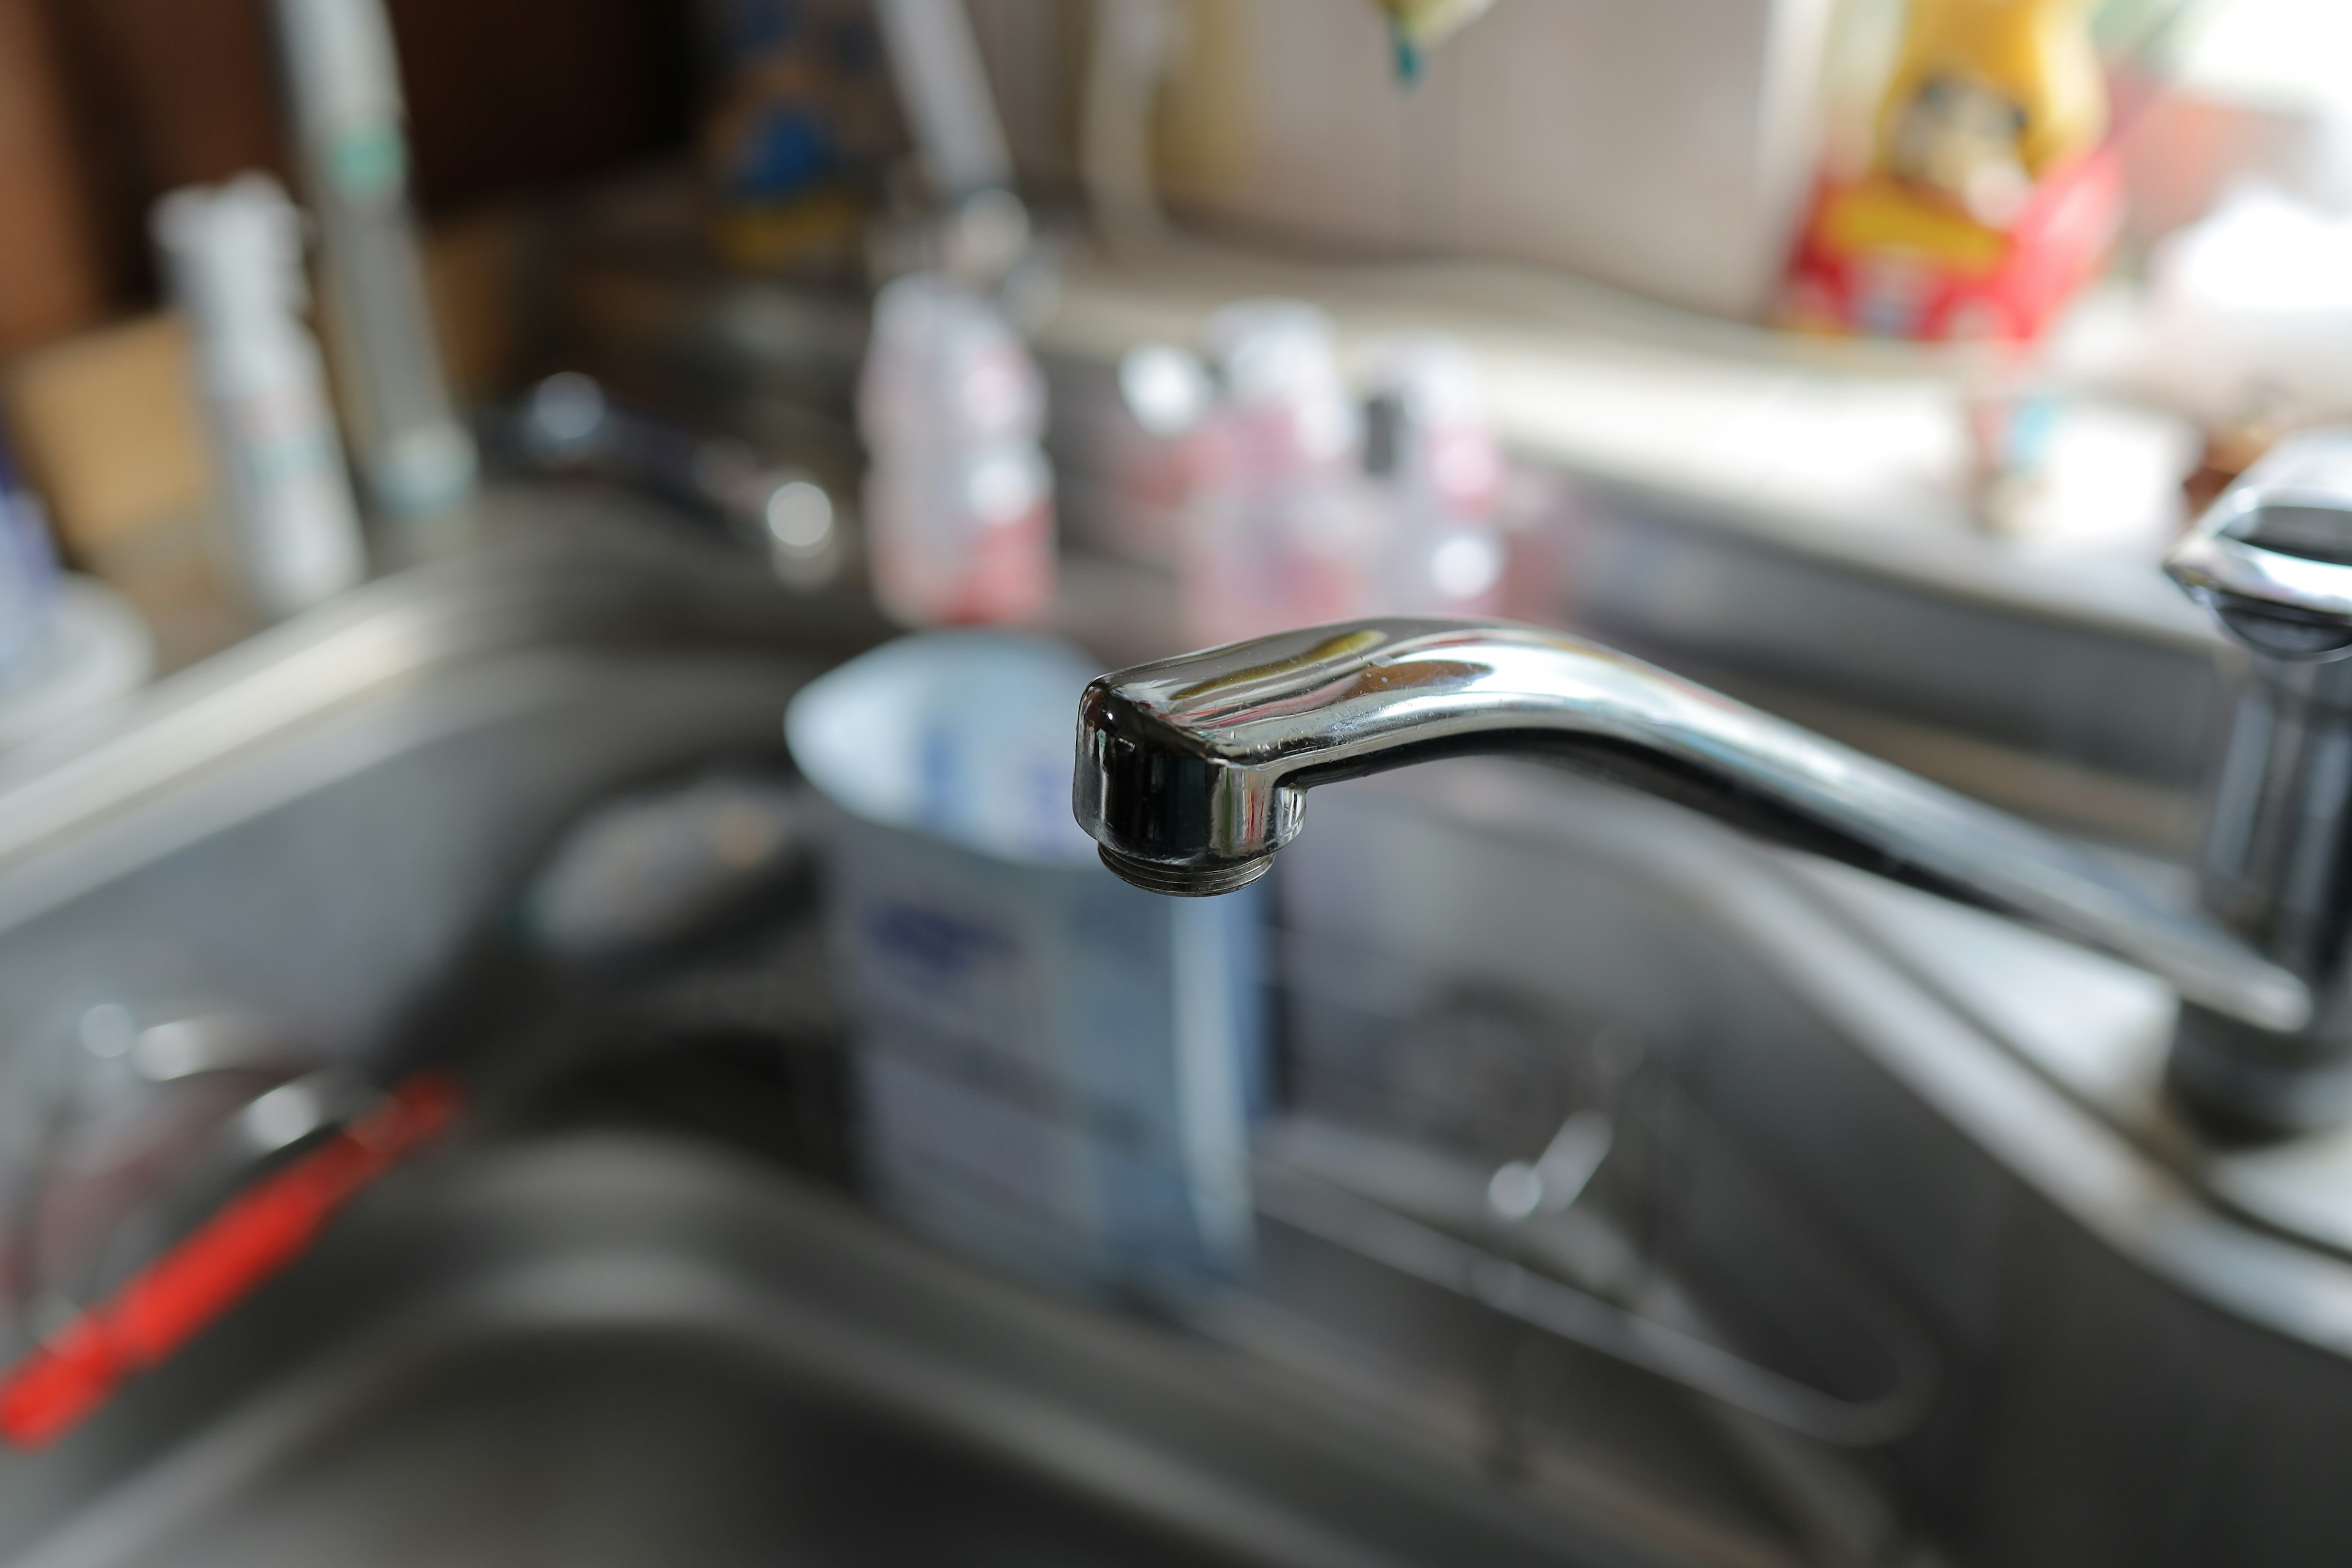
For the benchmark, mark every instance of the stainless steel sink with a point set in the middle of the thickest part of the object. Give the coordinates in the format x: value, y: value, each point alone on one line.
x: 555, y: 1344
x: 1901, y: 1106
x: 1877, y: 1139
x: 608, y: 1351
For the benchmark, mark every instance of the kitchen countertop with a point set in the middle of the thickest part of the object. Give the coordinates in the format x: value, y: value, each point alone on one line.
x: 1854, y: 452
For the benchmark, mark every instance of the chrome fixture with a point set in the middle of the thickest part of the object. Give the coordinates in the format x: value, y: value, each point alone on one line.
x: 1192, y: 772
x: 2273, y: 560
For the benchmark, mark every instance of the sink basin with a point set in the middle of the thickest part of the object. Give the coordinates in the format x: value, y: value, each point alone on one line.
x: 557, y: 1342
x: 648, y: 1322
x: 2132, y: 1369
x: 609, y: 1350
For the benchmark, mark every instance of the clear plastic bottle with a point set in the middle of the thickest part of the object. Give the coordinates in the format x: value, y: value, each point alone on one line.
x: 343, y: 100
x: 1280, y: 530
x: 291, y: 527
x: 1440, y: 474
x: 959, y: 498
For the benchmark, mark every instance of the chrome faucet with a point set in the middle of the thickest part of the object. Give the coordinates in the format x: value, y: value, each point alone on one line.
x: 2273, y: 560
x: 1191, y: 773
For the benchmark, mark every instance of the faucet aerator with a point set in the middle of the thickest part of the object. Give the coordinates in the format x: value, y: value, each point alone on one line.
x: 1185, y: 882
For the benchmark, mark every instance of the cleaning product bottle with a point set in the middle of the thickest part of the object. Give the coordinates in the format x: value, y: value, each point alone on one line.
x: 1989, y: 95
x: 1988, y: 200
x: 290, y: 531
x: 1281, y: 530
x: 959, y: 498
x: 799, y: 126
x: 343, y: 82
x: 1438, y: 472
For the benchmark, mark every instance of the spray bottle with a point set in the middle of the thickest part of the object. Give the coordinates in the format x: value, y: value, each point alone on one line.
x: 290, y: 531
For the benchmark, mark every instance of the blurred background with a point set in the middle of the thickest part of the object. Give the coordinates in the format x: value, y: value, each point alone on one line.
x: 552, y: 1007
x: 623, y: 189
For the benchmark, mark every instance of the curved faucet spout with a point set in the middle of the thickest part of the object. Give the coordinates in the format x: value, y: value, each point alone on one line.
x: 1192, y: 772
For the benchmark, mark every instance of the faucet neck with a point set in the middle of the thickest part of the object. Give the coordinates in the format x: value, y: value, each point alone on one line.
x: 1192, y: 774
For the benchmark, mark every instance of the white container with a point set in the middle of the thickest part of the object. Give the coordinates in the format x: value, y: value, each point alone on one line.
x: 1665, y: 146
x: 1055, y: 1067
x: 291, y: 529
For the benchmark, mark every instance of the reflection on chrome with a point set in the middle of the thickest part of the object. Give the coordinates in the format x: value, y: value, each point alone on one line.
x: 1192, y: 772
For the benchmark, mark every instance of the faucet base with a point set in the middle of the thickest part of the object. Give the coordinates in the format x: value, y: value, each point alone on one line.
x: 2242, y: 1085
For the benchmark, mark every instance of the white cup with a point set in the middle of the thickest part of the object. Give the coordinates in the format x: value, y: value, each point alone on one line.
x: 1054, y: 1068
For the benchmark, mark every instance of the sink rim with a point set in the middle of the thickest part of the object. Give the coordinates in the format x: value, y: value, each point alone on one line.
x: 592, y: 568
